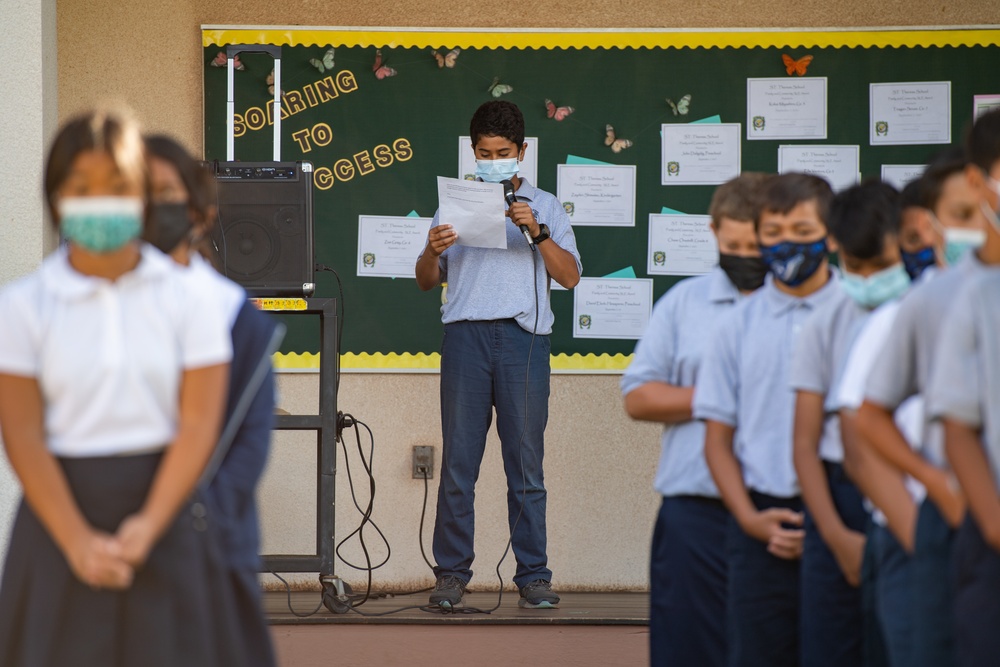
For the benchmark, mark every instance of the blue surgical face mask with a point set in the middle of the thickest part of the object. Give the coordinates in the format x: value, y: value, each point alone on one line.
x: 877, y: 288
x: 917, y: 262
x: 100, y: 224
x: 958, y: 241
x: 794, y: 263
x: 494, y: 171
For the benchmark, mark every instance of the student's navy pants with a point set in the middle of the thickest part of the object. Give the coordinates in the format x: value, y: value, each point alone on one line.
x: 763, y: 599
x: 977, y: 598
x: 832, y: 625
x: 687, y: 574
x: 933, y: 639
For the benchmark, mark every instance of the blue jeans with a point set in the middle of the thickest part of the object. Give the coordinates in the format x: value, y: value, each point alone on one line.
x: 831, y: 607
x: 484, y: 365
x: 933, y: 639
x: 763, y: 598
x: 893, y: 595
x: 687, y: 576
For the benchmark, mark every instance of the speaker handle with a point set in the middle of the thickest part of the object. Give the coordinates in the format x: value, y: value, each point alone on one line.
x: 232, y: 51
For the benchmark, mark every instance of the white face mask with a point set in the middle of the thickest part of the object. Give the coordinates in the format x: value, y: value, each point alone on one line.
x: 990, y: 214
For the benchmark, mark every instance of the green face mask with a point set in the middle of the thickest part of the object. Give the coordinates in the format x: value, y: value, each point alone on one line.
x: 100, y: 224
x: 877, y: 288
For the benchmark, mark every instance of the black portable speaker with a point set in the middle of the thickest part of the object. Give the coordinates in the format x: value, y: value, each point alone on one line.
x: 264, y: 238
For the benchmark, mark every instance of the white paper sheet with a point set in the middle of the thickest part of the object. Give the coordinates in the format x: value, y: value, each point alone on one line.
x: 786, y: 108
x: 839, y: 165
x: 612, y: 307
x: 983, y: 104
x: 475, y: 210
x: 599, y: 195
x: 680, y: 245
x: 388, y: 246
x: 898, y: 175
x: 528, y: 168
x: 696, y: 154
x: 910, y: 113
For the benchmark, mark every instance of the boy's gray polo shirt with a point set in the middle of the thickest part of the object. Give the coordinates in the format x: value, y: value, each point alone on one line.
x: 818, y: 357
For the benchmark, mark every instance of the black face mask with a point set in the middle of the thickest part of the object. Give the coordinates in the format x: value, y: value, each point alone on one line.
x: 167, y: 226
x: 747, y: 273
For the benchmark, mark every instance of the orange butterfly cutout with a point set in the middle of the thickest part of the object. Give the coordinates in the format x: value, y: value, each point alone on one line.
x: 381, y: 70
x: 793, y: 66
x: 552, y: 111
x: 220, y: 60
x: 447, y: 60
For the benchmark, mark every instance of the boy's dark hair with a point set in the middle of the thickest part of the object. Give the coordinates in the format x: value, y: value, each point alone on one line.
x: 783, y: 192
x: 910, y: 195
x: 498, y: 118
x: 736, y: 198
x: 862, y: 216
x: 982, y: 143
x: 942, y: 166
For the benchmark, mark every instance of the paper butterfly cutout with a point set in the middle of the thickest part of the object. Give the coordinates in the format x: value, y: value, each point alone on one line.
x: 325, y: 63
x: 447, y: 60
x: 793, y: 66
x: 381, y: 71
x: 270, y: 82
x: 220, y: 61
x: 617, y: 145
x: 681, y: 106
x: 497, y: 89
x: 552, y: 111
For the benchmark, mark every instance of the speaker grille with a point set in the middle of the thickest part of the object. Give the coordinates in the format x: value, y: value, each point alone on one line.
x: 265, y: 234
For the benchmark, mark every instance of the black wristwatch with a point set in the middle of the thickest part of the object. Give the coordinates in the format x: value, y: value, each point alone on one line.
x: 543, y: 234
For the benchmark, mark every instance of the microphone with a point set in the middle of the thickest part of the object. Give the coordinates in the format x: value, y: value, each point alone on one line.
x: 508, y: 196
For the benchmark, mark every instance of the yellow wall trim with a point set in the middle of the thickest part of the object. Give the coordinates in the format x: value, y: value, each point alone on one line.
x: 535, y: 39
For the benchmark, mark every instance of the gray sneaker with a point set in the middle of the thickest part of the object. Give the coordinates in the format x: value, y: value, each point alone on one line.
x: 448, y: 592
x: 538, y: 594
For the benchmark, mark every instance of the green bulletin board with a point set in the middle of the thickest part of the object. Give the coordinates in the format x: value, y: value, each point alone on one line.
x: 377, y: 146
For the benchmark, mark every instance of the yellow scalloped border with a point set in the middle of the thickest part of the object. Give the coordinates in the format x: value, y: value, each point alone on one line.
x: 406, y: 362
x: 621, y: 39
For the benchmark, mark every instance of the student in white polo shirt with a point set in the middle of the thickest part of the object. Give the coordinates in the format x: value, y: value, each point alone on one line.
x: 112, y: 385
x: 687, y: 568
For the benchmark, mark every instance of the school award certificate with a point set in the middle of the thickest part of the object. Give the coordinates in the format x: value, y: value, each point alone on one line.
x: 696, y: 154
x: 984, y: 104
x: 597, y: 195
x: 786, y: 108
x: 612, y: 307
x: 839, y: 165
x: 898, y: 175
x: 680, y: 245
x: 388, y: 246
x: 910, y: 113
x: 527, y: 168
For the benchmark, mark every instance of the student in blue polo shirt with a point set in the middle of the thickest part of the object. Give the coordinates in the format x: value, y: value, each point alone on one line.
x: 744, y: 397
x: 497, y: 319
x: 901, y: 372
x: 864, y: 221
x: 964, y: 390
x: 687, y: 563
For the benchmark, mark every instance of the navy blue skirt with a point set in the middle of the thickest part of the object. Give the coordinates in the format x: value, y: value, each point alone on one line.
x: 182, y: 608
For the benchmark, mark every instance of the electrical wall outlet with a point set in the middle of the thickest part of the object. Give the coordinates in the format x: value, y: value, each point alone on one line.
x: 423, y: 462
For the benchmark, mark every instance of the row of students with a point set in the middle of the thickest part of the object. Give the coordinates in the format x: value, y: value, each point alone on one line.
x: 803, y: 399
